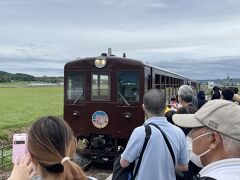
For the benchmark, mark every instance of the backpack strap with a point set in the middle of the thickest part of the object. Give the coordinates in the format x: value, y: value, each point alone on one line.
x: 147, y: 137
x: 166, y: 140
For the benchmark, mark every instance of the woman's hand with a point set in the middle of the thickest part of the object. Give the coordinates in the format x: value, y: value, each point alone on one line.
x: 23, y: 170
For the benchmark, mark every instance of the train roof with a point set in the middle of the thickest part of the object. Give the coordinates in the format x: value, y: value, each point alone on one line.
x: 165, y: 71
x: 134, y: 62
x: 118, y: 61
x: 76, y: 61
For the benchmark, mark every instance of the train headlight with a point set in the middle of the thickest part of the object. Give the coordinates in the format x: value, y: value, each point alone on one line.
x: 100, y: 62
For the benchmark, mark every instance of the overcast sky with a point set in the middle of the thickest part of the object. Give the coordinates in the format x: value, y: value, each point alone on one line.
x: 199, y: 39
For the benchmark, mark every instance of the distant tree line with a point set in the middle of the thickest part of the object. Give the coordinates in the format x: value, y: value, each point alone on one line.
x: 224, y: 82
x: 8, y: 77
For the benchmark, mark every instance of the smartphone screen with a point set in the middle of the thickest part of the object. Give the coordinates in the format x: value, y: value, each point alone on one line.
x: 19, y: 146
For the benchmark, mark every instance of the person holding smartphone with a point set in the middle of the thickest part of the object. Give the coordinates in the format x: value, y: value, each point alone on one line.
x: 51, y: 146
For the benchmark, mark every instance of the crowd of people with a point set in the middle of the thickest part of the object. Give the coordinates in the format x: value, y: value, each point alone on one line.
x: 204, y: 135
x: 194, y: 139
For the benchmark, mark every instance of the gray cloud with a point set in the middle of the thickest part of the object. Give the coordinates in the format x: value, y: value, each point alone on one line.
x: 204, y: 69
x: 37, y: 67
x: 199, y: 69
x: 54, y: 31
x: 111, y: 13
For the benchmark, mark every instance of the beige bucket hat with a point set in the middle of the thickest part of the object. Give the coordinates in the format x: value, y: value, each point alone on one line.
x: 220, y: 115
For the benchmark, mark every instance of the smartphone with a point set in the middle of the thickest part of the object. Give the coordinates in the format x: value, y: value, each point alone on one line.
x: 19, y: 149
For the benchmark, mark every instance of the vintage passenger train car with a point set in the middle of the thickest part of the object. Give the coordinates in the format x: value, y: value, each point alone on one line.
x: 103, y: 99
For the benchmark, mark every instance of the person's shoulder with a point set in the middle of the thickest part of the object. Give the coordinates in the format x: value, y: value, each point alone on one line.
x: 178, y: 131
x: 138, y: 131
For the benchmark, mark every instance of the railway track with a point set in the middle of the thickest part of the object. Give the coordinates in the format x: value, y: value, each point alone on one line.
x: 100, y: 174
x: 86, y: 166
x: 83, y: 162
x: 99, y: 171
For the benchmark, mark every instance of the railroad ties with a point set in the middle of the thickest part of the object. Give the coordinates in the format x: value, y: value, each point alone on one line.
x: 83, y: 162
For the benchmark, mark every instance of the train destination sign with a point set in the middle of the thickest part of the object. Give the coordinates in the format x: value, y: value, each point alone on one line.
x: 100, y: 119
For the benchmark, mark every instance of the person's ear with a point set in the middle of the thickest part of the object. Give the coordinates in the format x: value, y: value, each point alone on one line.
x: 143, y: 107
x: 216, y: 140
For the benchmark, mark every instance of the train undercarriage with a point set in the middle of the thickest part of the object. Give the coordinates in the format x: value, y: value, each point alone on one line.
x: 100, y: 148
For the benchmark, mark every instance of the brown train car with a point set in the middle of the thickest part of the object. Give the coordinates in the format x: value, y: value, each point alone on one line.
x: 103, y: 100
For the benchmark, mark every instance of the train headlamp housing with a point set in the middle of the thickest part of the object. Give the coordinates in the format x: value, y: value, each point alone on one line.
x: 100, y: 62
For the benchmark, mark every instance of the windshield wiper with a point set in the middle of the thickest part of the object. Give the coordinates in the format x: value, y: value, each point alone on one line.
x: 123, y: 98
x: 76, y: 100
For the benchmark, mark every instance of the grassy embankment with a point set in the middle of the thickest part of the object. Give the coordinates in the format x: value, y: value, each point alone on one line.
x: 20, y: 107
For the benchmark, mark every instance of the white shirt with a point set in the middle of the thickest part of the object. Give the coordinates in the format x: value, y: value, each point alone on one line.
x: 227, y: 169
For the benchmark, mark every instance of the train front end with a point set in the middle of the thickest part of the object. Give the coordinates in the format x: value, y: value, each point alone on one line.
x: 102, y: 103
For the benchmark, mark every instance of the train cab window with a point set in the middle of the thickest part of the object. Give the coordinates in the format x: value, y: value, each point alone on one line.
x: 100, y: 87
x: 128, y: 86
x: 75, y: 86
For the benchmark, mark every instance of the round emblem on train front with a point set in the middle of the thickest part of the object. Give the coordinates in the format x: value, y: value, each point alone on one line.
x: 100, y: 119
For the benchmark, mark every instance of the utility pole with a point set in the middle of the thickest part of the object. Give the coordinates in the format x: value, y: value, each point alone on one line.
x: 228, y: 79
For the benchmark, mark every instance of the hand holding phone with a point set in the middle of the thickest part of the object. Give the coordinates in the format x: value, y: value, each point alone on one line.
x: 23, y: 170
x: 19, y: 146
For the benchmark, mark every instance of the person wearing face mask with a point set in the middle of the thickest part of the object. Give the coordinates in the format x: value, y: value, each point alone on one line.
x: 193, y: 170
x: 214, y: 142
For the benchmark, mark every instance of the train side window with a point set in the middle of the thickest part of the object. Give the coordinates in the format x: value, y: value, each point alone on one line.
x: 128, y: 86
x: 100, y: 87
x: 75, y: 86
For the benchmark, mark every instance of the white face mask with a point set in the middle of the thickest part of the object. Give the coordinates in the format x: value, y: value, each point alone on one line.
x: 189, y: 146
x: 196, y: 159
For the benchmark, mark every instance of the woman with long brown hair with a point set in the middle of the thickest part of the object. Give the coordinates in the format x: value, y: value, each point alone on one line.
x: 51, y: 145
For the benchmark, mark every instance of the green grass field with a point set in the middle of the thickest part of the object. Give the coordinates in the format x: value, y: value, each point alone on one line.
x: 20, y: 107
